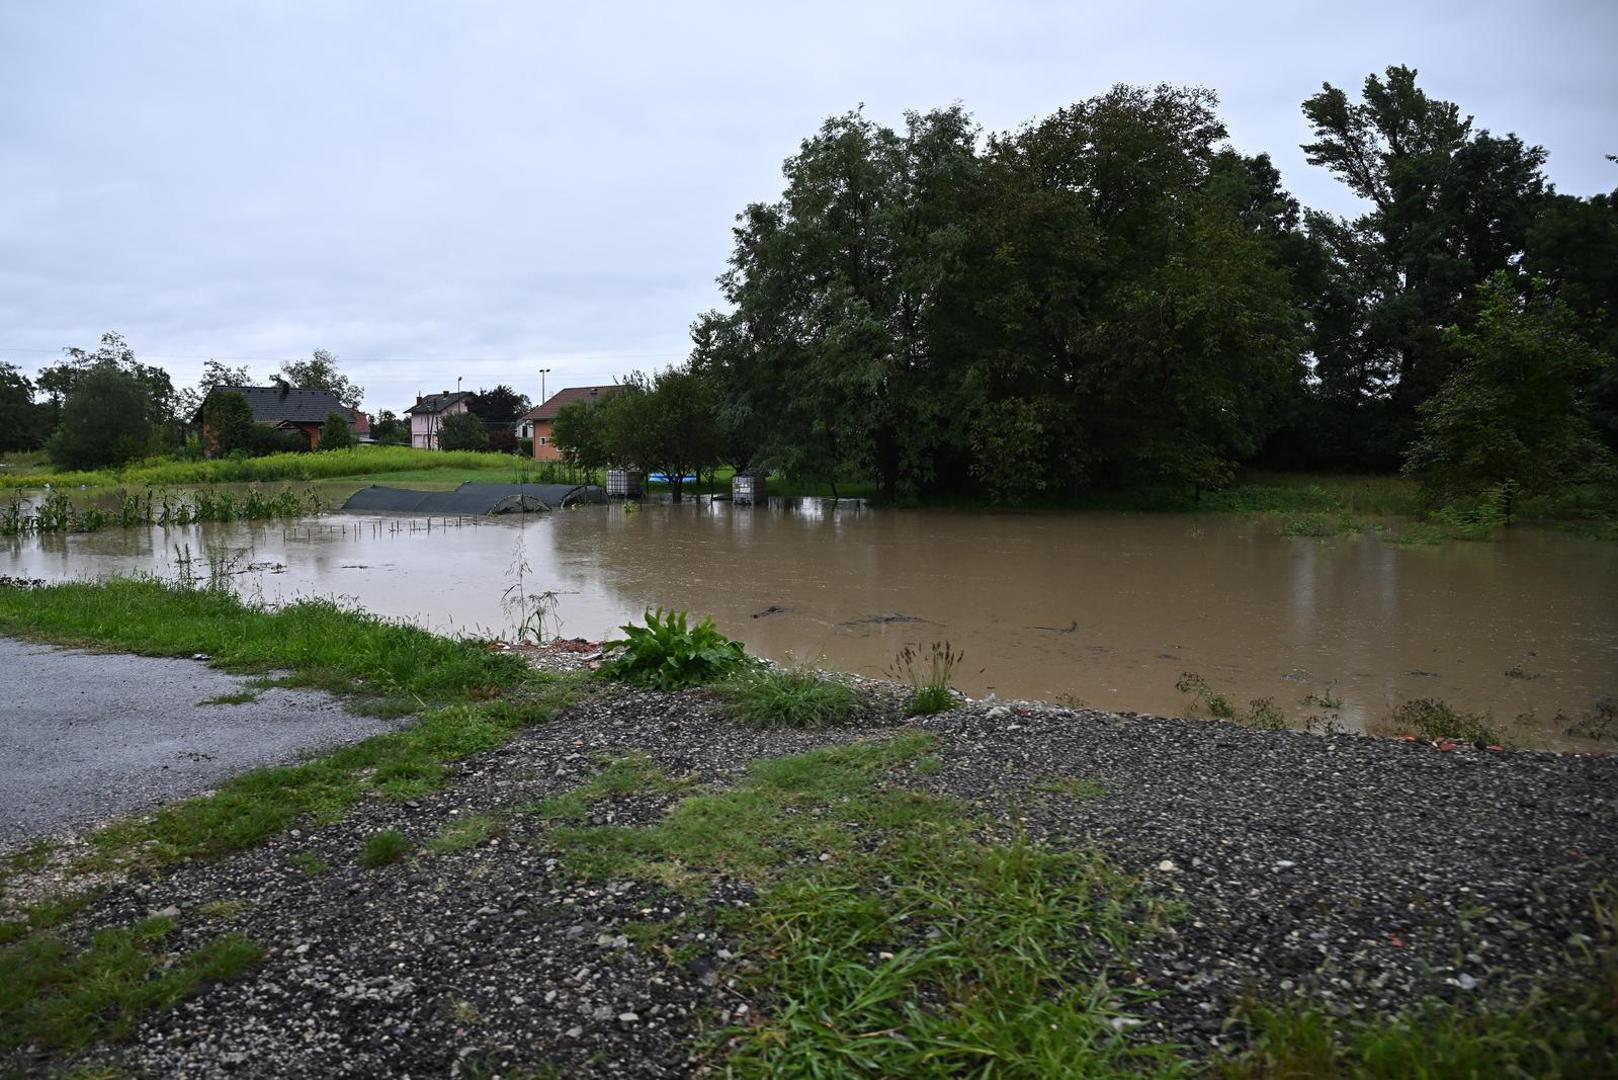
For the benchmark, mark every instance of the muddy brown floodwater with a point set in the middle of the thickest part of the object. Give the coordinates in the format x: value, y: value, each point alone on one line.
x: 1108, y: 609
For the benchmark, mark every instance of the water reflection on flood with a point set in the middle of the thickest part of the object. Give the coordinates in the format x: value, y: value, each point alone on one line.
x: 1108, y: 608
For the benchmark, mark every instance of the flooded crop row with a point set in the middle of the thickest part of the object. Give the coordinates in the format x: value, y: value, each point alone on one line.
x: 1111, y: 610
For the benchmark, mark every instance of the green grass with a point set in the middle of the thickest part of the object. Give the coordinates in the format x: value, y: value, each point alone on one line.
x: 631, y: 774
x: 888, y: 939
x: 360, y: 461
x: 324, y: 644
x: 468, y: 701
x: 1074, y: 787
x: 1569, y: 1032
x: 788, y: 697
x: 59, y: 997
x: 383, y: 849
x: 308, y: 862
x: 464, y: 832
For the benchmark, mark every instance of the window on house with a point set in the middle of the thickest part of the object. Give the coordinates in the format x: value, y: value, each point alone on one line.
x: 543, y: 440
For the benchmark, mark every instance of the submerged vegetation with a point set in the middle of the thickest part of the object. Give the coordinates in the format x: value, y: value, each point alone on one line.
x: 57, y: 513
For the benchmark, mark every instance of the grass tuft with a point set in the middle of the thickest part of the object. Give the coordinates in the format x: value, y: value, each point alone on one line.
x: 464, y: 832
x: 795, y: 697
x: 57, y: 997
x: 384, y: 848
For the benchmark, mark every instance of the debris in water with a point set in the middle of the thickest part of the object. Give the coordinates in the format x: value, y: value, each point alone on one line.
x: 773, y: 609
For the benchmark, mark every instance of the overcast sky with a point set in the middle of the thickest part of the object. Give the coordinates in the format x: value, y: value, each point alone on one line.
x: 434, y: 190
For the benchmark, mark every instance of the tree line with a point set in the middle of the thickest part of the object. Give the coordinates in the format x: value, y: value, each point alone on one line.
x: 102, y: 407
x: 1114, y: 296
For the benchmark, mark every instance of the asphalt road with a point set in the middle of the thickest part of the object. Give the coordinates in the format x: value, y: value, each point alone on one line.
x: 85, y: 736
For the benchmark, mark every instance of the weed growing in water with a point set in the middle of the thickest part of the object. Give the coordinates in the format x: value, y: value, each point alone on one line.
x: 669, y: 654
x: 1202, y: 695
x: 795, y: 696
x: 1431, y: 718
x: 930, y: 683
x: 383, y: 848
x: 1262, y: 714
x: 1600, y: 724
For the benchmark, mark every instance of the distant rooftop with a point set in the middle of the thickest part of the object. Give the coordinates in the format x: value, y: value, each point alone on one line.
x: 437, y: 403
x: 554, y: 403
x: 284, y: 404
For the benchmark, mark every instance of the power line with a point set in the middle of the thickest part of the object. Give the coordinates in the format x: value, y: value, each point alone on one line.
x: 537, y: 359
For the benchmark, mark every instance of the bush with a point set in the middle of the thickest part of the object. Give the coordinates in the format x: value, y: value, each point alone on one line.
x: 104, y: 422
x: 462, y: 431
x: 791, y: 697
x: 335, y: 433
x: 229, y: 422
x: 669, y: 654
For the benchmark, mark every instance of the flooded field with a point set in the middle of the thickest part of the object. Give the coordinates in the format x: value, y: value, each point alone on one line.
x: 1107, y: 609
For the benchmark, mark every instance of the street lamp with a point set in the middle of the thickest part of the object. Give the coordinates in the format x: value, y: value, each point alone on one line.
x: 544, y: 371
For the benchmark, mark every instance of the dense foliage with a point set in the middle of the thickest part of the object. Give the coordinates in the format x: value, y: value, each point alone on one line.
x: 462, y: 431
x: 1110, y: 297
x: 670, y: 654
x: 335, y: 433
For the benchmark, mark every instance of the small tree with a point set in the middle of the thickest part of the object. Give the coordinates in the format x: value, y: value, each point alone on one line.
x: 579, y: 436
x: 229, y: 422
x: 462, y: 431
x: 19, y: 418
x: 104, y: 421
x: 389, y: 428
x: 1512, y: 413
x: 335, y: 433
x: 667, y: 423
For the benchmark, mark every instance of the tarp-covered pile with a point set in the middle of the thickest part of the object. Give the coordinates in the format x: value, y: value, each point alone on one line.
x: 472, y: 498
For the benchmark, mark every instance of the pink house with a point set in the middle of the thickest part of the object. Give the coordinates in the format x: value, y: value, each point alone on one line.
x: 427, y: 415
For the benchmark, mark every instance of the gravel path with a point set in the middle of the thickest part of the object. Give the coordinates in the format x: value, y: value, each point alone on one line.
x: 1365, y: 872
x: 84, y: 736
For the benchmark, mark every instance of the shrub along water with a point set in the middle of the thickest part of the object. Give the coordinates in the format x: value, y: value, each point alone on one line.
x: 57, y: 513
x: 360, y: 461
x: 670, y: 654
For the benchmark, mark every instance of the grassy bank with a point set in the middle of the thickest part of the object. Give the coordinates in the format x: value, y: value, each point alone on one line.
x: 891, y: 925
x: 336, y: 464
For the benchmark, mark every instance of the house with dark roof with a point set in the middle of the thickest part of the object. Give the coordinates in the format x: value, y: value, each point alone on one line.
x: 543, y: 417
x: 303, y: 411
x: 428, y: 413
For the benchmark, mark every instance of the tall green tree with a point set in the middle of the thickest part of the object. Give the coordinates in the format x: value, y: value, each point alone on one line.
x: 1448, y: 207
x: 20, y: 420
x: 1514, y: 409
x: 104, y: 420
x: 228, y: 420
x: 60, y: 381
x: 319, y: 372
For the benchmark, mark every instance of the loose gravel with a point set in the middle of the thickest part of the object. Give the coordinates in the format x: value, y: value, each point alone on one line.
x: 1360, y: 872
